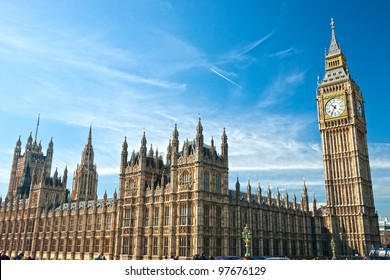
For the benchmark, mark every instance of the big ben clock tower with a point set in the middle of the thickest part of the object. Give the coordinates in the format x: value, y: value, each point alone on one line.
x: 350, y: 216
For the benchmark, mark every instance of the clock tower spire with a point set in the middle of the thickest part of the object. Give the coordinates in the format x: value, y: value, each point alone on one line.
x: 350, y: 215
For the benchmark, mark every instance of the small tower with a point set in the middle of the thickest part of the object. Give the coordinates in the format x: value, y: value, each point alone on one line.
x: 199, y: 140
x: 124, y: 155
x: 238, y: 187
x: 248, y: 192
x: 12, y: 187
x: 258, y: 194
x: 278, y: 198
x: 269, y: 195
x: 174, y: 146
x: 304, y: 198
x: 224, y: 146
x: 85, y: 179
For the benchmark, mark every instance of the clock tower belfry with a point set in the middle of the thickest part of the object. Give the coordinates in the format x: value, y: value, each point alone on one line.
x: 350, y: 216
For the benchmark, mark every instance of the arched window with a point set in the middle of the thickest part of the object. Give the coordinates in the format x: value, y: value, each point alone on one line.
x: 206, y: 182
x: 131, y: 185
x: 218, y: 184
x: 186, y: 177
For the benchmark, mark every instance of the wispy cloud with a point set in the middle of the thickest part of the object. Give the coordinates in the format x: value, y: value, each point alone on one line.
x: 241, y: 54
x: 285, y: 53
x: 282, y: 87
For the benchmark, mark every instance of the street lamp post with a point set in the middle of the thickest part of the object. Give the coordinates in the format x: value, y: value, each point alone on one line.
x: 333, y: 246
x: 246, y: 236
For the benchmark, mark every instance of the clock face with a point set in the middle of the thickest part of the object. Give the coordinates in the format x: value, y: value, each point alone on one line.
x: 334, y: 107
x: 359, y: 108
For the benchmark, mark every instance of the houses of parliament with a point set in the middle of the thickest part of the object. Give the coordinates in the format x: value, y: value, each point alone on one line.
x: 182, y: 205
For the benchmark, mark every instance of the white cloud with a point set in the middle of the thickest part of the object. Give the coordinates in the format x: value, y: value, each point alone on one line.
x: 281, y: 88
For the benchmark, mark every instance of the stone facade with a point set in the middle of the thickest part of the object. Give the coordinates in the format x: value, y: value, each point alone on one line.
x: 184, y: 206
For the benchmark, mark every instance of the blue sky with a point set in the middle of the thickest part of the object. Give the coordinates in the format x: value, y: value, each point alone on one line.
x: 248, y: 66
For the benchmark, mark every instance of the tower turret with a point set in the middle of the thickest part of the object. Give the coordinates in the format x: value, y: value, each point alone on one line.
x: 49, y: 156
x: 85, y: 178
x: 258, y: 194
x: 175, y: 146
x: 238, y: 187
x: 224, y: 146
x: 269, y: 200
x: 199, y: 139
x: 143, y: 149
x: 304, y: 198
x: 248, y: 192
x: 12, y: 186
x: 124, y: 155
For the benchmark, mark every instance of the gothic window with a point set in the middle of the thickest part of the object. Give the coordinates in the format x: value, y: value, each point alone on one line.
x: 98, y: 222
x: 183, y: 214
x: 54, y: 245
x: 28, y: 245
x: 256, y: 221
x: 165, y: 249
x: 156, y: 216
x: 81, y: 224
x: 233, y: 219
x: 130, y: 245
x: 13, y: 244
x: 145, y: 246
x: 265, y: 222
x: 30, y: 225
x: 125, y: 249
x: 218, y: 246
x: 147, y: 217
x: 17, y: 229
x: 245, y: 218
x: 48, y: 225
x: 127, y: 218
x: 61, y: 245
x: 70, y: 244
x: 206, y: 245
x: 206, y: 182
x: 78, y: 245
x: 108, y: 222
x: 186, y: 177
x: 56, y: 225
x: 89, y: 223
x: 155, y: 246
x: 87, y: 245
x: 184, y: 249
x: 218, y: 184
x: 41, y: 224
x: 39, y: 245
x: 233, y: 246
x: 284, y: 247
x: 132, y: 217
x: 166, y: 219
x: 71, y: 225
x: 189, y: 216
x: 106, y: 245
x: 131, y: 185
x: 276, y: 247
x: 97, y: 245
x: 218, y: 216
x: 206, y: 215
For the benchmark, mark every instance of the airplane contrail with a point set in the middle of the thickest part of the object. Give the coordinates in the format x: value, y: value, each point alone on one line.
x: 226, y: 78
x: 256, y: 43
